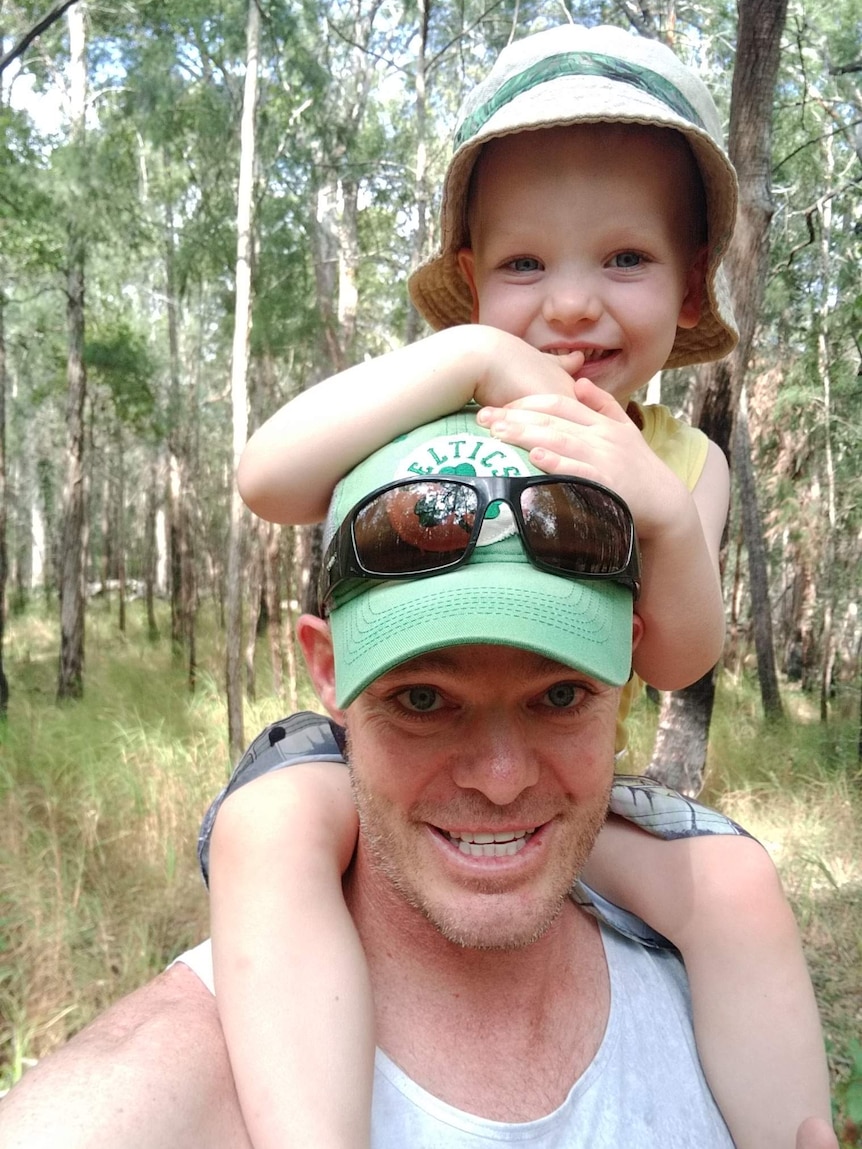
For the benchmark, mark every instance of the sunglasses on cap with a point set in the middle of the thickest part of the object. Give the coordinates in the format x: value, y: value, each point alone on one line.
x: 413, y: 528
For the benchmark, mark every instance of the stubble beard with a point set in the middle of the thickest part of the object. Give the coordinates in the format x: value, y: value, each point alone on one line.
x: 394, y: 858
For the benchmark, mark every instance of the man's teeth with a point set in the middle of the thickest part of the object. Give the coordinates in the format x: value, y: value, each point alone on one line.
x: 500, y: 845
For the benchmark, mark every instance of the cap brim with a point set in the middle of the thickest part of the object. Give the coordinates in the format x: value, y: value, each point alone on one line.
x: 585, y: 625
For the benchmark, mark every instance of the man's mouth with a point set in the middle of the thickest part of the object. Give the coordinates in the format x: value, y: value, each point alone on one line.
x: 500, y: 845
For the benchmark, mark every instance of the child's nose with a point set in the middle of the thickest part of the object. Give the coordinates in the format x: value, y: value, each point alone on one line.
x: 570, y: 302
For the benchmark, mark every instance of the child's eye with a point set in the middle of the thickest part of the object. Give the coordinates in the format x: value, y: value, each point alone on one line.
x: 524, y: 263
x: 627, y: 260
x: 420, y: 699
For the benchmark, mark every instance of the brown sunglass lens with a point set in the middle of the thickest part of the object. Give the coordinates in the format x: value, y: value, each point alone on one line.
x: 575, y: 529
x: 415, y: 528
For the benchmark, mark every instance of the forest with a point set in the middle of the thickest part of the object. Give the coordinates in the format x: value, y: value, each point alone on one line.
x: 207, y: 208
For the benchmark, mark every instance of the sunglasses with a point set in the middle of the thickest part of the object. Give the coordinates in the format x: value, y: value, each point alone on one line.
x: 415, y: 528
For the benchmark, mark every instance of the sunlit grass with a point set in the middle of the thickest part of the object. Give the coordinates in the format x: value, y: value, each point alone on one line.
x: 100, y: 803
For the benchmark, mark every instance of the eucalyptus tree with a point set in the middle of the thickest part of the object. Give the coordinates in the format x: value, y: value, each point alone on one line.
x: 811, y: 446
x: 239, y: 376
x: 679, y: 754
x: 70, y: 680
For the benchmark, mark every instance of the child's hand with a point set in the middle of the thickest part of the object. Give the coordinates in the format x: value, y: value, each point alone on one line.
x: 512, y: 370
x: 590, y: 435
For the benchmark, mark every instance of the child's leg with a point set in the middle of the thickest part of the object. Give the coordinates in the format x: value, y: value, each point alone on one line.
x: 292, y: 986
x: 719, y: 900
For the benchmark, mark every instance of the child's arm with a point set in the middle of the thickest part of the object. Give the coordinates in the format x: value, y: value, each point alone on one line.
x: 291, y: 982
x: 679, y: 532
x: 719, y: 900
x: 291, y: 464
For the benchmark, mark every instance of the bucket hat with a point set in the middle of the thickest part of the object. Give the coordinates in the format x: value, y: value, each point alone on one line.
x: 577, y: 75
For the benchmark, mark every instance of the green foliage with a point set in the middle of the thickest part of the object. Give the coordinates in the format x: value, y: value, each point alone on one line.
x: 849, y: 1090
x: 118, y: 355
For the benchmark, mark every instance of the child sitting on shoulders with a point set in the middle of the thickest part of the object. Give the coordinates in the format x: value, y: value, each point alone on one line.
x: 585, y: 215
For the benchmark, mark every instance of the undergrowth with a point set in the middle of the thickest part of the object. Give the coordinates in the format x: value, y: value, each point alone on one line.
x: 100, y: 802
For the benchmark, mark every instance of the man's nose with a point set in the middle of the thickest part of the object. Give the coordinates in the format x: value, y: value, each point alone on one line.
x: 571, y: 300
x: 496, y: 761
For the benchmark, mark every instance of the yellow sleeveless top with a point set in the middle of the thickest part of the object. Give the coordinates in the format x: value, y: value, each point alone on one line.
x: 683, y: 448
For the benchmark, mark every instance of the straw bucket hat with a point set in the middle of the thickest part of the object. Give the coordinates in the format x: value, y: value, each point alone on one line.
x: 577, y: 75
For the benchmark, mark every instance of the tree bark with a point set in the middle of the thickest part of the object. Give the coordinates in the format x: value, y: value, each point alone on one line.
x: 70, y: 683
x: 34, y: 32
x: 761, y: 23
x: 239, y: 383
x: 761, y: 610
x: 4, y: 683
x: 150, y: 562
x: 421, y: 197
x: 180, y: 542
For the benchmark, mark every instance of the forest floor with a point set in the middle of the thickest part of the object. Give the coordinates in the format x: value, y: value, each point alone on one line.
x: 100, y: 802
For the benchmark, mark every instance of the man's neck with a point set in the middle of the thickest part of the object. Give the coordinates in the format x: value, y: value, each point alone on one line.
x: 447, y: 1015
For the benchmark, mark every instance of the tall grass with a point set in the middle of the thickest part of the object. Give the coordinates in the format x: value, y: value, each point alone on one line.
x: 100, y: 803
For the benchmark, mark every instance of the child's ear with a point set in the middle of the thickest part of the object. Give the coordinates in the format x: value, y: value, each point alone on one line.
x: 692, y: 302
x: 467, y: 264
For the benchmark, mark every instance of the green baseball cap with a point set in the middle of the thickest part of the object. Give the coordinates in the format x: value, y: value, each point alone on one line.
x: 498, y: 596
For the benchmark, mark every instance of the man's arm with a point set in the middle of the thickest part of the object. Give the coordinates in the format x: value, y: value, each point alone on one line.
x: 150, y: 1073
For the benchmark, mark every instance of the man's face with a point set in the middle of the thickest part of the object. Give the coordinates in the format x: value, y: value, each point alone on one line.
x: 482, y: 776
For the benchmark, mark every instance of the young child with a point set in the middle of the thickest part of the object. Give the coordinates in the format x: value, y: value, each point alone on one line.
x: 585, y: 214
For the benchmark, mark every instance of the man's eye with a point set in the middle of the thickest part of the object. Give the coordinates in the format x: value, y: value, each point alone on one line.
x: 627, y: 259
x: 524, y: 263
x: 420, y: 699
x: 563, y: 695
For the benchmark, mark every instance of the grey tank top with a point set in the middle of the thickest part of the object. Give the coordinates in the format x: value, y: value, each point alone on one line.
x: 643, y: 1090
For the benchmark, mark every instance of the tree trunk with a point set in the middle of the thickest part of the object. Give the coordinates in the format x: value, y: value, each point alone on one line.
x: 239, y: 383
x: 761, y: 610
x: 180, y: 542
x: 824, y: 366
x: 761, y: 23
x: 682, y: 735
x: 150, y: 561
x: 70, y: 683
x: 290, y: 543
x: 120, y: 512
x: 4, y: 684
x: 421, y: 196
x: 269, y: 537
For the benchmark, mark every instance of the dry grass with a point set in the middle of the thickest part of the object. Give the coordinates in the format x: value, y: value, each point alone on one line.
x: 100, y: 803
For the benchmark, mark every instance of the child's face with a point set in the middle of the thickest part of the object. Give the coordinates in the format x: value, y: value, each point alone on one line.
x: 587, y: 238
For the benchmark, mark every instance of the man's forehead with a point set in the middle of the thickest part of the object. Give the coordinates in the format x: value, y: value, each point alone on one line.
x: 478, y: 658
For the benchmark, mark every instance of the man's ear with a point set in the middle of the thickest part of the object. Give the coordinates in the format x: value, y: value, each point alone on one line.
x: 695, y: 285
x: 467, y: 264
x: 637, y: 630
x: 316, y: 644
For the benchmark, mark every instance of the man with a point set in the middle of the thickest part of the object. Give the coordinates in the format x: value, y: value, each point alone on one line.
x: 480, y: 698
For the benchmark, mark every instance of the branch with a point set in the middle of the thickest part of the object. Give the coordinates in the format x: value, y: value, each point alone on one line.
x: 843, y: 69
x: 37, y: 30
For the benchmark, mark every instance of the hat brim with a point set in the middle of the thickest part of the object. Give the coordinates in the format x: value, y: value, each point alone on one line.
x: 585, y: 625
x: 437, y: 287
